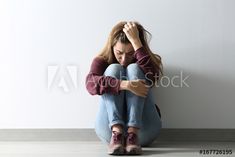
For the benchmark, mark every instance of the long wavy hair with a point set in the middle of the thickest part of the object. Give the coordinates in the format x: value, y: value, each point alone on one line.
x: 117, y: 34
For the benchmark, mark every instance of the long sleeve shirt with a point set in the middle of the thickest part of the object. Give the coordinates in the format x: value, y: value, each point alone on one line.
x: 98, y: 84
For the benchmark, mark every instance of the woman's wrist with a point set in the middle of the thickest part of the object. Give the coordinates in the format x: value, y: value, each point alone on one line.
x: 124, y: 85
x: 136, y: 44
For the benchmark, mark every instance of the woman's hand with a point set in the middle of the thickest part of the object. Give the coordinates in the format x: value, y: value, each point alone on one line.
x: 138, y: 87
x: 132, y: 33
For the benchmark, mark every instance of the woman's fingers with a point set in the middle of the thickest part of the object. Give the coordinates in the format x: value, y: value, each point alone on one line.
x: 139, y: 87
x: 144, y: 94
x: 127, y: 26
x: 131, y: 31
x: 143, y: 88
x: 143, y: 81
x: 141, y: 94
x: 130, y: 24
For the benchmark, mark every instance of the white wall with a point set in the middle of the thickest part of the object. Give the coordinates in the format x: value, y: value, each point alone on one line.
x: 196, y: 37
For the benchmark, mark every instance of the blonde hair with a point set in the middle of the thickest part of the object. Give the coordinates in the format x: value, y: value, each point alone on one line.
x: 117, y: 34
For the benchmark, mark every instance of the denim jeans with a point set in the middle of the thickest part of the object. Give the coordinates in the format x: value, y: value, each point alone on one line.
x: 127, y: 109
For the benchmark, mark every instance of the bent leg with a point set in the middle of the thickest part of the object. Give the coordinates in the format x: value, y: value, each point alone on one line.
x: 142, y: 112
x: 135, y: 104
x: 151, y: 121
x: 111, y: 107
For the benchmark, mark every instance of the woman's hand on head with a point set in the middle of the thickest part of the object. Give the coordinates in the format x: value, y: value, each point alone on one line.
x: 132, y: 33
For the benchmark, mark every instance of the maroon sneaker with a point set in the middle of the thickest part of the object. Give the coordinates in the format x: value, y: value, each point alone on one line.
x: 132, y: 145
x: 116, y: 145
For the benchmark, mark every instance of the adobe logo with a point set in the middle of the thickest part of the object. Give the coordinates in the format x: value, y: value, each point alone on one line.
x: 62, y: 77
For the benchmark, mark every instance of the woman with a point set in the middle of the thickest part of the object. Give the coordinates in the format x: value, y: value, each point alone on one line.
x: 123, y: 74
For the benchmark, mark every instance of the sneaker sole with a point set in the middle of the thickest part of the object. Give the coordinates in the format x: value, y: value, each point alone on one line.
x: 134, y: 152
x: 119, y: 151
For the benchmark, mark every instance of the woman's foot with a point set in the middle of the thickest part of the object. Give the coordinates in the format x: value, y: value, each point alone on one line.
x: 132, y: 144
x: 116, y: 145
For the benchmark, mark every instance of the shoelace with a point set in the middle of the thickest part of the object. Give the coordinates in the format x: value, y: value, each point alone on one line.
x: 117, y: 137
x: 131, y: 138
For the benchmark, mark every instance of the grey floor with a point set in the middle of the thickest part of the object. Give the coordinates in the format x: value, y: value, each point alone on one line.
x: 97, y: 149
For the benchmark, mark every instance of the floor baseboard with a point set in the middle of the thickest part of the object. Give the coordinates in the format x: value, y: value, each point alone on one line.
x: 166, y: 134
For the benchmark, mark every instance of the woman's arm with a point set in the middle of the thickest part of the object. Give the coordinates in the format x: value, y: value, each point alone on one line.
x: 97, y: 83
x: 145, y: 63
x: 142, y: 57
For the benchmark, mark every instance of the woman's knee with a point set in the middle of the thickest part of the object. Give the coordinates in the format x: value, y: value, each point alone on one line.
x: 133, y: 67
x: 115, y: 70
x: 134, y: 72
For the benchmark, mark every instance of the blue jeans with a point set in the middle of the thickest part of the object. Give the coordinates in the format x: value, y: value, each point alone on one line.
x: 127, y: 109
